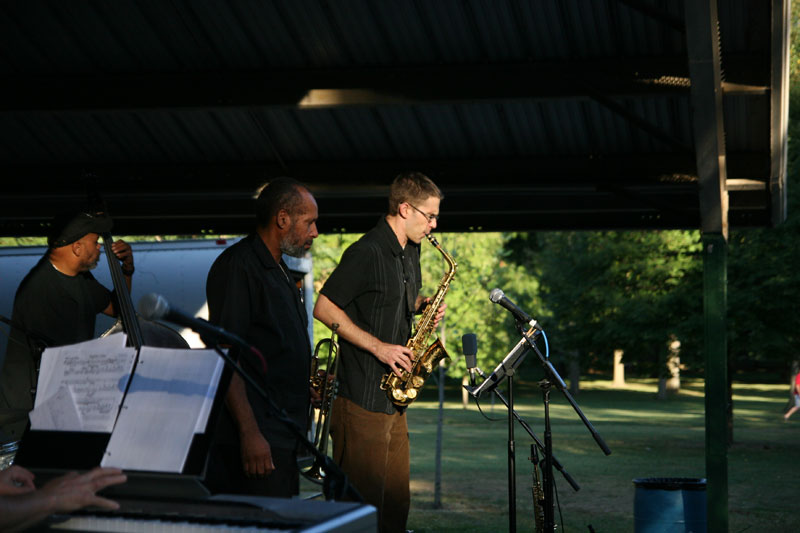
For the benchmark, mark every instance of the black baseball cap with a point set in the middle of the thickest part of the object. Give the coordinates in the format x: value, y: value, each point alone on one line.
x: 68, y: 228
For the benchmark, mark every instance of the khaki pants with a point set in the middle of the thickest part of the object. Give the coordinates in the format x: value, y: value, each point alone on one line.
x: 372, y: 449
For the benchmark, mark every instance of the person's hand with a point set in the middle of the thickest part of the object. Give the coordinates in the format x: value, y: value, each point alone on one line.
x: 16, y: 480
x: 327, y: 382
x: 316, y: 397
x: 256, y: 455
x: 74, y: 491
x: 439, y: 315
x: 124, y: 253
x: 396, y: 356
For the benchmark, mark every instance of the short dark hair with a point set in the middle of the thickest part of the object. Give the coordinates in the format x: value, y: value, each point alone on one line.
x: 411, y: 187
x: 280, y: 193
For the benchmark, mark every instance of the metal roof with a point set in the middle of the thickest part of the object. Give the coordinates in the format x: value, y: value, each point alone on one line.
x: 548, y: 114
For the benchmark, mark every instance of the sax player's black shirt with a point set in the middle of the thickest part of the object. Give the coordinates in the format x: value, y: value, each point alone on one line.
x: 376, y: 283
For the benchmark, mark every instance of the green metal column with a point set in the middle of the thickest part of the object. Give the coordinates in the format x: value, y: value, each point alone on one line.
x: 715, y: 303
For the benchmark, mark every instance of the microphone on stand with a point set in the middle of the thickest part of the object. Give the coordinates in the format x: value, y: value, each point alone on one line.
x: 469, y: 345
x: 155, y: 307
x: 498, y: 296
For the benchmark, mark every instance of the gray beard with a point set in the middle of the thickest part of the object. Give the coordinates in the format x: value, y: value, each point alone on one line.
x: 85, y: 267
x: 292, y: 250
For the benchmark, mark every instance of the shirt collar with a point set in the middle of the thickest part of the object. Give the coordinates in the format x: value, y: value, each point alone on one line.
x: 387, y: 235
x: 261, y: 251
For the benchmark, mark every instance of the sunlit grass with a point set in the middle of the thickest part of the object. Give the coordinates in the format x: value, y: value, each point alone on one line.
x: 648, y: 438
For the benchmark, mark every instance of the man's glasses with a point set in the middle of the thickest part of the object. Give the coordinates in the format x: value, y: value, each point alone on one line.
x: 430, y: 218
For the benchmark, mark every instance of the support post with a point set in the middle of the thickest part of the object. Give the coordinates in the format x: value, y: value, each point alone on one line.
x: 703, y: 47
x: 715, y: 266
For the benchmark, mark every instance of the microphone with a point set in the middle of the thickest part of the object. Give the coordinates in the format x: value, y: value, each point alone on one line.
x: 155, y: 307
x: 498, y: 296
x: 469, y: 345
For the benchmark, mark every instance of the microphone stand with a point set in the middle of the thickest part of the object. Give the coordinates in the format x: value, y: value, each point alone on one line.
x: 336, y: 484
x: 556, y: 463
x: 547, y: 471
x: 512, y: 468
x: 509, y: 365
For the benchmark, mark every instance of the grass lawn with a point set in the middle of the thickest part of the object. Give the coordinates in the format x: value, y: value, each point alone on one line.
x: 647, y: 437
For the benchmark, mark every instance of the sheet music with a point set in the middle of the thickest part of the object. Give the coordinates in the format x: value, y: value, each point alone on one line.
x: 59, y: 412
x: 86, y: 379
x: 169, y: 398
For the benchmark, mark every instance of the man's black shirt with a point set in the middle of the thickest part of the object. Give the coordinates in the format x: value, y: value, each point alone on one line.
x: 252, y: 296
x: 52, y: 307
x: 376, y: 283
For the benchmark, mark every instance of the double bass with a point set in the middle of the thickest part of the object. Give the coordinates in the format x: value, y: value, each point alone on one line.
x: 140, y: 332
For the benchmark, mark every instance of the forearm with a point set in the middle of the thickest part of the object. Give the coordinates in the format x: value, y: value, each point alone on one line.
x: 20, y: 511
x: 329, y: 313
x: 239, y: 407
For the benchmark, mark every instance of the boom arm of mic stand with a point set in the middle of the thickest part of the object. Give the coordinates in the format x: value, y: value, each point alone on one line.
x: 336, y: 484
x: 563, y: 387
x: 527, y: 428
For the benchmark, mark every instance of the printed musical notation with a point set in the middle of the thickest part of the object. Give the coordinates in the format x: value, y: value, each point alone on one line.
x: 85, y: 388
x: 81, y: 385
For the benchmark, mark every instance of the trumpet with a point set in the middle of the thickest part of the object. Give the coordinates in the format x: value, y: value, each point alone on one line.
x: 323, y: 381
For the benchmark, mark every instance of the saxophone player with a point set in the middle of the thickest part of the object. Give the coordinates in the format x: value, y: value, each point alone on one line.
x: 373, y: 295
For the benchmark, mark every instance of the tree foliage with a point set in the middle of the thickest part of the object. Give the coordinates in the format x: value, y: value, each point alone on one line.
x: 618, y: 290
x: 482, y: 266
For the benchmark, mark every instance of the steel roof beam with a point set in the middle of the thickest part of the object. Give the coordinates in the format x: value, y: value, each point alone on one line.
x: 637, y: 168
x: 702, y: 37
x: 644, y: 76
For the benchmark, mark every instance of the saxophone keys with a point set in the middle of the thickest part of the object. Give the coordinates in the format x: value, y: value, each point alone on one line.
x: 411, y: 393
x: 416, y: 383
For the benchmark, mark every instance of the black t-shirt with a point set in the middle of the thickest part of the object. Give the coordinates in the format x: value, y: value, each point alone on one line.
x: 56, y: 308
x: 376, y: 283
x: 252, y: 296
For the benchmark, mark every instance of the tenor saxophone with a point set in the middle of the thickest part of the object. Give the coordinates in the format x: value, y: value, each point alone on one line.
x: 538, y: 493
x: 404, y: 390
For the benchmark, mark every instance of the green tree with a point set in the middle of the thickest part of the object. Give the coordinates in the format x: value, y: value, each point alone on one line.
x: 631, y: 290
x: 326, y: 253
x: 482, y: 266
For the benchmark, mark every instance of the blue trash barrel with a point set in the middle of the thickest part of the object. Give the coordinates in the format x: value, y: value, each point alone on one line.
x: 669, y: 505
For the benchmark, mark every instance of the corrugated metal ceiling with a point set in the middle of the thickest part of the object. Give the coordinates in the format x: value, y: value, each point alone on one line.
x: 556, y: 97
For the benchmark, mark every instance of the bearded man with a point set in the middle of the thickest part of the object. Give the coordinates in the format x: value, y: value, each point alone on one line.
x: 252, y: 294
